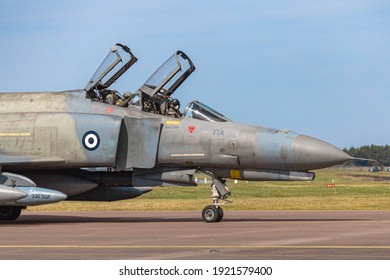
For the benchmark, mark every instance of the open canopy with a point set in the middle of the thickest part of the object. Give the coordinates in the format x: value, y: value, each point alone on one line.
x: 118, y: 60
x: 155, y: 94
x: 169, y: 76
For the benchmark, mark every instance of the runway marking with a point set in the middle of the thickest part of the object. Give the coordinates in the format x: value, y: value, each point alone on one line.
x: 188, y: 247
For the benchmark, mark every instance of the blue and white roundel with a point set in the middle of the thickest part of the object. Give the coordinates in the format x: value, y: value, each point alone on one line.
x: 91, y: 140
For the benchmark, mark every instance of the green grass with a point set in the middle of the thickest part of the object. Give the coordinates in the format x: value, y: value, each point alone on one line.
x: 354, y: 189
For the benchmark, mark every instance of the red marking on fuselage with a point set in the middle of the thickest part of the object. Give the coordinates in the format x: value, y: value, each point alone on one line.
x: 191, y: 128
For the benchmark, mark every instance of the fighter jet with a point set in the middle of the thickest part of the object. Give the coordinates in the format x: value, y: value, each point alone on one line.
x: 96, y: 144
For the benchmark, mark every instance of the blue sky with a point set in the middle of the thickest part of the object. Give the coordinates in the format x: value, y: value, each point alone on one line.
x: 320, y: 68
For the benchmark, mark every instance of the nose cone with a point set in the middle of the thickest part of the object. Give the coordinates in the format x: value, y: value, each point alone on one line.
x: 310, y: 153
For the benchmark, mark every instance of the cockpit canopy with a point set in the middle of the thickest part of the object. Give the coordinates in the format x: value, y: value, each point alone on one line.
x: 169, y: 76
x: 154, y: 96
x: 118, y: 60
x: 200, y: 111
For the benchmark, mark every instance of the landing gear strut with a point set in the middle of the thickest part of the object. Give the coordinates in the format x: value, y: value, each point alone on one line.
x: 10, y: 213
x: 214, y: 213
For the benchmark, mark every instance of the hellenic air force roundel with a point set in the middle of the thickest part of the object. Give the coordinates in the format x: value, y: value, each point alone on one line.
x: 91, y: 140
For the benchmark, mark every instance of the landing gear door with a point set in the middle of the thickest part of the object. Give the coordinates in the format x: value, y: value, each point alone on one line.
x: 138, y: 143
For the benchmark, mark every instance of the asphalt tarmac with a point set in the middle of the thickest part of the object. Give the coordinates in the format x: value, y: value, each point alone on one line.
x: 272, y: 235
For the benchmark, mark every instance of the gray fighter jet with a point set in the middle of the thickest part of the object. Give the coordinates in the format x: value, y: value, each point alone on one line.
x: 96, y: 144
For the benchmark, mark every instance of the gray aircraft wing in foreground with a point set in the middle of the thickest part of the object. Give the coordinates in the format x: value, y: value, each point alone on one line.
x: 95, y: 144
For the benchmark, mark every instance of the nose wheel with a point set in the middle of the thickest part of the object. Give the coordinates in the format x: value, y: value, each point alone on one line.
x: 214, y: 213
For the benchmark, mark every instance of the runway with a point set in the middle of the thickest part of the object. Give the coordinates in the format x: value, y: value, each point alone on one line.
x: 247, y: 235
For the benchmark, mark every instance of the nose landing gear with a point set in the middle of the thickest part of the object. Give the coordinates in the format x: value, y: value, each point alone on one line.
x: 214, y: 213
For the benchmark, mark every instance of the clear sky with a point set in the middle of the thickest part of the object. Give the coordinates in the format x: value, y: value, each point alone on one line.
x: 320, y: 68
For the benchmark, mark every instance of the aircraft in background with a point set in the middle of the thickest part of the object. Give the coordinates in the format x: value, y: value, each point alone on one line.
x: 95, y: 144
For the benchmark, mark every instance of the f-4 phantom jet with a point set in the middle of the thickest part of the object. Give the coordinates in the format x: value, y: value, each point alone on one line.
x: 96, y: 144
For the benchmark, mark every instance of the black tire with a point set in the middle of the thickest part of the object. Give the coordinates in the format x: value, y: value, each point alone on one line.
x: 220, y: 211
x: 9, y: 213
x: 212, y: 214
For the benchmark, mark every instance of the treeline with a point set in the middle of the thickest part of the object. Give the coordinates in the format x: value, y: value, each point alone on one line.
x: 379, y: 153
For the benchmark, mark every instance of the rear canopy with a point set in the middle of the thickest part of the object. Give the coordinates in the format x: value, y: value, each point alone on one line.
x: 118, y: 60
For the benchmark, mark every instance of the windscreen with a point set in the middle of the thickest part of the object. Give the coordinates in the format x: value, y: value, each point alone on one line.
x: 200, y: 111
